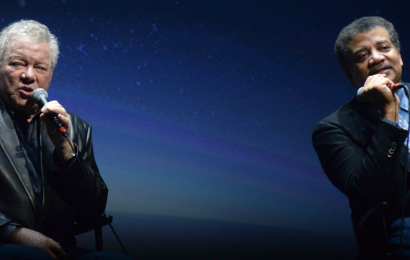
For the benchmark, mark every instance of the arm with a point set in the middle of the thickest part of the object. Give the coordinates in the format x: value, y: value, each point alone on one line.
x: 14, y: 233
x: 359, y: 162
x: 360, y: 158
x: 85, y: 190
x: 28, y: 237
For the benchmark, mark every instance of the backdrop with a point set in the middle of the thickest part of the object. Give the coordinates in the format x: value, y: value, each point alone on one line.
x: 202, y: 113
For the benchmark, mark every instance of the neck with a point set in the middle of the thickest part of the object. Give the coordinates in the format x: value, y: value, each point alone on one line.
x: 27, y: 114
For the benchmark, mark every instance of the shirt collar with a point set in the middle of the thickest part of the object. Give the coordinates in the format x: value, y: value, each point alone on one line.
x: 404, y: 100
x: 19, y: 116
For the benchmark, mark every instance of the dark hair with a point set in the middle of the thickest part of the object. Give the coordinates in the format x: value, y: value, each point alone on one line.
x: 362, y: 25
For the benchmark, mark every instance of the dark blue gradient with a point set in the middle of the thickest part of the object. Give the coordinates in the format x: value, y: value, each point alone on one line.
x: 202, y: 113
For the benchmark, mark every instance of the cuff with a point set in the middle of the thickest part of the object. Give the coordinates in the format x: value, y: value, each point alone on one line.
x: 392, y: 123
x: 6, y: 231
x: 60, y: 166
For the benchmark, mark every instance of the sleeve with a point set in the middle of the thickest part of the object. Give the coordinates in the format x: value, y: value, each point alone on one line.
x: 361, y: 171
x: 88, y: 192
x: 6, y: 231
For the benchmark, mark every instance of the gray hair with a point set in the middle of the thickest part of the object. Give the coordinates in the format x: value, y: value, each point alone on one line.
x: 32, y: 30
x: 362, y: 25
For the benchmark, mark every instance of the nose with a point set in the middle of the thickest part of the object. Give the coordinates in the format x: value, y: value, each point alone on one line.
x: 377, y: 57
x: 29, y: 75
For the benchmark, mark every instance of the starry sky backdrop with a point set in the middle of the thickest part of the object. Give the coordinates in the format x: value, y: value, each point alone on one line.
x: 204, y: 109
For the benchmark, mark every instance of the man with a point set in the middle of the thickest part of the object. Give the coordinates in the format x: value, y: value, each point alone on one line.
x: 45, y: 186
x: 362, y: 147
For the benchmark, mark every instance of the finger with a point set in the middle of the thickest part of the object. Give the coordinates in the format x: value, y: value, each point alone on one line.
x: 64, y: 120
x: 54, y: 107
x: 59, y: 252
x: 44, y: 118
x: 50, y: 104
x: 378, y: 82
x: 51, y: 254
x: 48, y: 120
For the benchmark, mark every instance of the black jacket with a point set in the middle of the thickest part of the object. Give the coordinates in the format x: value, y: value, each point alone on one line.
x: 72, y: 195
x: 364, y: 157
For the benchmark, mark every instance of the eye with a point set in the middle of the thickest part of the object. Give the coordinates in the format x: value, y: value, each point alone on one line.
x: 385, y: 48
x: 361, y: 56
x: 16, y: 64
x: 41, y: 69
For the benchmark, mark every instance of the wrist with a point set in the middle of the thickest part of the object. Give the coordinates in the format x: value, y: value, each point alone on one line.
x: 59, y: 166
x: 62, y: 152
x: 391, y: 112
x: 14, y: 236
x: 63, y: 160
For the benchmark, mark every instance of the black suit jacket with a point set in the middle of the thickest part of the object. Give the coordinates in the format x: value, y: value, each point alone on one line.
x: 75, y: 194
x: 364, y: 157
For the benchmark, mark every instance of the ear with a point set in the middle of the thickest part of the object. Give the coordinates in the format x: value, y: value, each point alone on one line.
x: 401, y: 61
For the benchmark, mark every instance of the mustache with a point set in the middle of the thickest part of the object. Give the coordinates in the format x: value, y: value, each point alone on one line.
x: 379, y: 67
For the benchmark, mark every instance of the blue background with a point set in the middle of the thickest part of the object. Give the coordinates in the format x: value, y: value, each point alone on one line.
x: 202, y: 113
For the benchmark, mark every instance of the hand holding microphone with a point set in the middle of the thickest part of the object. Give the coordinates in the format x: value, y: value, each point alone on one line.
x: 56, y: 118
x: 40, y: 97
x: 393, y: 88
x: 379, y: 91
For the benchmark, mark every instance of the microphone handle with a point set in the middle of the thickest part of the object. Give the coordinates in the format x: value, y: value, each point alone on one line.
x: 394, y: 87
x: 56, y: 122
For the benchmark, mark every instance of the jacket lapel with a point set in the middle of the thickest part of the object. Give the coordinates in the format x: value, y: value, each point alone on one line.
x: 10, y: 145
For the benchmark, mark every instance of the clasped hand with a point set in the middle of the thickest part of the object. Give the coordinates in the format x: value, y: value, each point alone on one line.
x: 376, y: 92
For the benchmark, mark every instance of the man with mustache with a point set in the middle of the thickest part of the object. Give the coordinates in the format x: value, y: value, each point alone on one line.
x: 46, y: 185
x: 362, y: 146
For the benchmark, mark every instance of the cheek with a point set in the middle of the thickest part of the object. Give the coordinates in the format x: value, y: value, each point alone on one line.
x: 399, y: 63
x: 11, y: 77
x: 44, y: 81
x: 362, y: 72
x: 6, y: 82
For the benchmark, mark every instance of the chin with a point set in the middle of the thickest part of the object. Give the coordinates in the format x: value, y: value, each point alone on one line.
x: 21, y: 105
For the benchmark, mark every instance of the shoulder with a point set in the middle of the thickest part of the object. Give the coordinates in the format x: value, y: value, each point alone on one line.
x: 351, y: 113
x: 354, y: 119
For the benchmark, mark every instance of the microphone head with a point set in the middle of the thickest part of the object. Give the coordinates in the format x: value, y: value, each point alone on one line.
x: 40, y: 96
x: 359, y: 95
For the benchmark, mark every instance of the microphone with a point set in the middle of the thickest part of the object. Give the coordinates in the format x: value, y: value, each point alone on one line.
x: 392, y: 87
x: 40, y: 97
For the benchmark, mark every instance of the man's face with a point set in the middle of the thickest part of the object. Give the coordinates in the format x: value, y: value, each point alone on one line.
x: 26, y: 65
x: 372, y: 53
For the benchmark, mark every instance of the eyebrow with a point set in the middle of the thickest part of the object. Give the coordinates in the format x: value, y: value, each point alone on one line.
x: 382, y: 41
x: 16, y: 57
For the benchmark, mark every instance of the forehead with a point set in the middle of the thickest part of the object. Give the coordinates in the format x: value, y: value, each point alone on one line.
x: 370, y: 38
x: 27, y: 48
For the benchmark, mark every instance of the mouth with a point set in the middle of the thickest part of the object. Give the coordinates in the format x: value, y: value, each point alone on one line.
x: 25, y: 91
x: 380, y: 69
